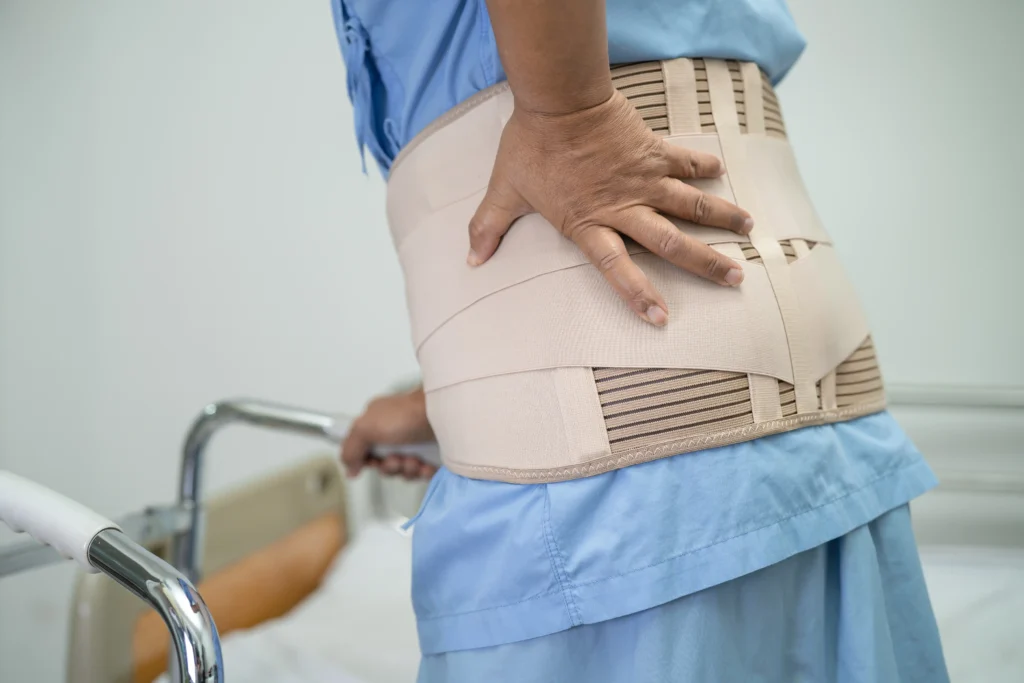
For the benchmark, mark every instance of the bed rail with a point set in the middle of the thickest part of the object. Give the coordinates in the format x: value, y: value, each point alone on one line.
x: 99, y: 545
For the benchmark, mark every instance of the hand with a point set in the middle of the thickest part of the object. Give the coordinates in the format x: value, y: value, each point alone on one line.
x: 599, y: 172
x: 394, y: 419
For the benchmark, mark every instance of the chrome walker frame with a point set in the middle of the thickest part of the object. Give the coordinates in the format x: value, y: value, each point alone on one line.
x: 169, y: 587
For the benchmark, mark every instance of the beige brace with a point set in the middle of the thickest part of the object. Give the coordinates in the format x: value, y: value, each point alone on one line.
x: 534, y: 369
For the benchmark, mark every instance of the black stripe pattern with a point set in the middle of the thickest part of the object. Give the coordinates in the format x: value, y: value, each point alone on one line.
x: 750, y: 252
x: 643, y: 84
x: 647, y: 407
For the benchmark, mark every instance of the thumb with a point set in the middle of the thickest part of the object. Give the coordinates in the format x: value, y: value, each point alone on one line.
x: 500, y: 207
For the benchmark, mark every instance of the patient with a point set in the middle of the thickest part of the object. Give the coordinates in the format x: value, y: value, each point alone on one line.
x: 667, y: 454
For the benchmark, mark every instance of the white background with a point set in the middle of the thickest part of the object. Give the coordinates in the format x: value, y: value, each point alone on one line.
x: 183, y: 218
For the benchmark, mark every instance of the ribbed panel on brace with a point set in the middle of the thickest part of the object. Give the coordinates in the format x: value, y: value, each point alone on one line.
x: 787, y: 397
x: 859, y: 377
x: 643, y: 408
x: 750, y: 252
x: 643, y: 84
x: 773, y: 122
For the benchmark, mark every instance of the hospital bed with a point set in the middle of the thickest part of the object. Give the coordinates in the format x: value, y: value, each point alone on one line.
x: 299, y: 594
x: 255, y: 554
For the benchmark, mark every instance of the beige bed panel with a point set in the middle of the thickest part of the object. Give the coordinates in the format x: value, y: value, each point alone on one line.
x: 268, y: 545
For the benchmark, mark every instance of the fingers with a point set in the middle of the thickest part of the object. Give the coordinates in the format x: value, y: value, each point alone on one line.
x: 500, y: 207
x: 678, y: 199
x: 411, y: 468
x: 408, y: 467
x: 355, y: 450
x: 687, y: 163
x: 606, y: 250
x: 659, y: 235
x: 390, y: 465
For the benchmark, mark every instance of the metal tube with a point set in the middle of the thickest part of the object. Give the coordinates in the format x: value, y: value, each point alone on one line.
x: 153, y: 524
x: 188, y: 545
x: 25, y: 555
x: 194, y: 639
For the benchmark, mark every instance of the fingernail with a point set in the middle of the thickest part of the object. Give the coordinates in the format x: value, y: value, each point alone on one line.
x: 721, y: 171
x: 741, y: 224
x: 657, y: 315
x: 734, y: 276
x: 473, y: 259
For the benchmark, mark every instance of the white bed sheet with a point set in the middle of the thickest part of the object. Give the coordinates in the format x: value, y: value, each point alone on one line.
x: 358, y: 627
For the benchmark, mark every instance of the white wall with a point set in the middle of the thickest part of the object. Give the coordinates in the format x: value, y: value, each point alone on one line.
x: 183, y: 218
x: 906, y: 120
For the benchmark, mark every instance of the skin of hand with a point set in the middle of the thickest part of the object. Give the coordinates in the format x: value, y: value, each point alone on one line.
x: 579, y: 154
x: 389, y: 420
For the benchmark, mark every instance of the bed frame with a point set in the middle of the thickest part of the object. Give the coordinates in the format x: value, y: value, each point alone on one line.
x: 275, y: 538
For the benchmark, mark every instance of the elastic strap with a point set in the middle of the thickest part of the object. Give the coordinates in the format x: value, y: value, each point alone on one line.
x: 753, y: 97
x: 764, y: 398
x: 828, y: 392
x: 681, y: 97
x: 723, y: 104
x: 731, y: 249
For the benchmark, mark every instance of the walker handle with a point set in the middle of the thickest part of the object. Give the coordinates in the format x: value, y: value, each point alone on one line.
x: 50, y: 518
x: 337, y: 429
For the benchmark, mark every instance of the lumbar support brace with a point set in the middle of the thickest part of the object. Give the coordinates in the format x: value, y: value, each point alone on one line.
x: 535, y: 371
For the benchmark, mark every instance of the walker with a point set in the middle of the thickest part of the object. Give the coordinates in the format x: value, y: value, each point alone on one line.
x: 68, y: 530
x: 97, y: 544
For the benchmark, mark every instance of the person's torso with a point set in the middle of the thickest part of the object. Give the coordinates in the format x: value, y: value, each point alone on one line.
x: 408, y: 63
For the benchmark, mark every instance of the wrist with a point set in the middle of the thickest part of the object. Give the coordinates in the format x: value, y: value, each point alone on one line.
x: 570, y: 100
x: 567, y: 130
x: 418, y: 401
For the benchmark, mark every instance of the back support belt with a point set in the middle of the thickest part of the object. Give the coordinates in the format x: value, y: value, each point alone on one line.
x: 536, y: 372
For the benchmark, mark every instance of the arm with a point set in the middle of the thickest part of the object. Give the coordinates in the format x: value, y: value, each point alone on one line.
x: 579, y: 154
x: 555, y: 54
